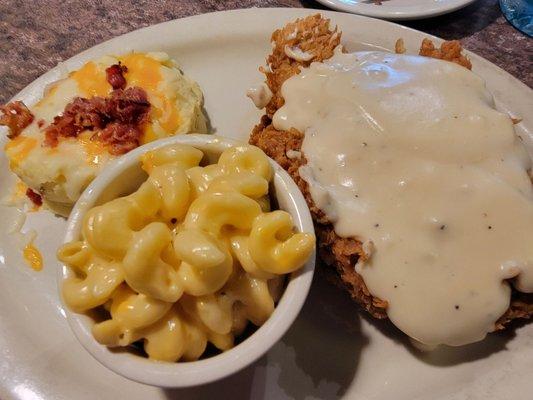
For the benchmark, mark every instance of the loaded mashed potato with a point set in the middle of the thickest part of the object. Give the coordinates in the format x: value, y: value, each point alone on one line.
x: 106, y: 108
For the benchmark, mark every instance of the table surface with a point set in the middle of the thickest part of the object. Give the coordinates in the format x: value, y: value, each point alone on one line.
x: 36, y: 35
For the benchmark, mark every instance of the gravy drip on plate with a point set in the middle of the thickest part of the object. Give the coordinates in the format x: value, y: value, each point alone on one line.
x: 408, y: 155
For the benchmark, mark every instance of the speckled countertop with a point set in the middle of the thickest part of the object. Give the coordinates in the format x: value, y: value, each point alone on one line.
x: 36, y: 35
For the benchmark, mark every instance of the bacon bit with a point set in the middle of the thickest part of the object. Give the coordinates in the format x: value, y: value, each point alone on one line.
x: 449, y: 51
x: 87, y: 113
x: 61, y: 126
x: 16, y: 116
x: 399, y: 47
x: 128, y: 108
x: 34, y: 197
x: 40, y: 123
x: 121, y: 137
x: 115, y: 75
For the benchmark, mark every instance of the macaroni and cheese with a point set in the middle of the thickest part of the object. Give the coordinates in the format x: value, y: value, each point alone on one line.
x: 189, y: 258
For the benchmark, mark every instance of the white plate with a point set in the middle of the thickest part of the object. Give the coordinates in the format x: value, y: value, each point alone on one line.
x: 397, y: 9
x: 332, y: 351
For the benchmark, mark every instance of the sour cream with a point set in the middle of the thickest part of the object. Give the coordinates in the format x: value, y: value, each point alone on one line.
x: 408, y: 154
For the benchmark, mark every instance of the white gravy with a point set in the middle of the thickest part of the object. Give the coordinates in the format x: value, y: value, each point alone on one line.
x: 408, y: 155
x: 260, y: 95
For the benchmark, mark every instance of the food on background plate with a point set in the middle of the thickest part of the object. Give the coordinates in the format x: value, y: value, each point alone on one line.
x: 189, y: 258
x: 419, y: 187
x: 104, y: 109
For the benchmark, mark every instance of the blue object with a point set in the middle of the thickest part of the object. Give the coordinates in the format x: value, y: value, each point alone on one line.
x: 520, y: 14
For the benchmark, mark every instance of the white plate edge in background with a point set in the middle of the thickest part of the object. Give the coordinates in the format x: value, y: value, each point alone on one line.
x: 395, y: 12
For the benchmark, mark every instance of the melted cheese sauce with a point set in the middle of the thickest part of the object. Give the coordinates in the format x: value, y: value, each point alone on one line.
x: 408, y: 155
x: 33, y: 257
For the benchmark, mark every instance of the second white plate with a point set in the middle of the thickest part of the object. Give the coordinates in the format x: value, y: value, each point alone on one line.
x: 397, y: 9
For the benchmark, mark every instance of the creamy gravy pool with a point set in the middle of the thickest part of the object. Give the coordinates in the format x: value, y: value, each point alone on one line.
x: 408, y: 155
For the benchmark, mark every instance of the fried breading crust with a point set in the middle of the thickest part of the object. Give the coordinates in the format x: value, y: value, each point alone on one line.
x: 313, y: 35
x: 449, y: 50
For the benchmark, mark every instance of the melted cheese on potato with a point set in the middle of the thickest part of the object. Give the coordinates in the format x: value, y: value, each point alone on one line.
x: 61, y: 173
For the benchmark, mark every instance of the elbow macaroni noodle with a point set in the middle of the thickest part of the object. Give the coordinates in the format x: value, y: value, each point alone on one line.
x: 187, y: 259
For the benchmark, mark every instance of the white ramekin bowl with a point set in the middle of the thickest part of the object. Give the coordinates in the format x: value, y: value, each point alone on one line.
x: 122, y: 177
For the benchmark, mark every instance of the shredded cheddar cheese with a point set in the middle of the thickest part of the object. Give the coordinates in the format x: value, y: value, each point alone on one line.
x: 24, y: 146
x: 143, y: 71
x: 92, y: 80
x: 168, y: 115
